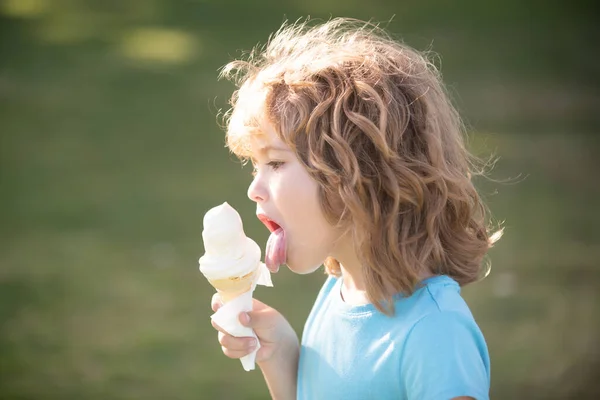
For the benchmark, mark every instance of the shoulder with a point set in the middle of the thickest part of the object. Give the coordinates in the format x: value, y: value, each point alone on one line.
x: 443, y: 294
x: 445, y: 356
x: 446, y: 327
x: 442, y: 319
x: 439, y: 294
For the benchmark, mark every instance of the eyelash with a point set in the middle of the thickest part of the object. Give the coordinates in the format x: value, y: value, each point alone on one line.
x: 275, y: 165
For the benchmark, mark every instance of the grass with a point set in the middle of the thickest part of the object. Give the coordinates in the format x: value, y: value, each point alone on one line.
x: 108, y: 163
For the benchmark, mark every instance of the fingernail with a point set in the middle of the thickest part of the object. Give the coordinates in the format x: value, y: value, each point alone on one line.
x: 252, y: 344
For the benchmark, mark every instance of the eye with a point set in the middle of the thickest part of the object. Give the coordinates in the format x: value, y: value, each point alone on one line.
x: 275, y: 165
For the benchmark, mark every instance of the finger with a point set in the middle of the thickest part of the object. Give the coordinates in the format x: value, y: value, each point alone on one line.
x: 233, y: 353
x: 216, y: 302
x: 245, y: 319
x: 262, y: 318
x: 235, y: 344
x: 224, y: 332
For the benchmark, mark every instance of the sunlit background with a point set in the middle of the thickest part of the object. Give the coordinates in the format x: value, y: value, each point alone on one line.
x: 111, y: 153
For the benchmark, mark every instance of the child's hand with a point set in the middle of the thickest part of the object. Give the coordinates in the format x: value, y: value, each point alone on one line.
x: 278, y: 339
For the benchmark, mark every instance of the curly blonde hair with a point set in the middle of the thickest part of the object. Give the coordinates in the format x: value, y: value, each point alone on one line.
x: 373, y: 125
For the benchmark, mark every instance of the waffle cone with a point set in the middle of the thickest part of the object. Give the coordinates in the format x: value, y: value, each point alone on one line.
x: 232, y: 287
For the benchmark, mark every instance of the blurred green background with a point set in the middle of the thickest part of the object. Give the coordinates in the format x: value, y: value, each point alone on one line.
x: 110, y: 154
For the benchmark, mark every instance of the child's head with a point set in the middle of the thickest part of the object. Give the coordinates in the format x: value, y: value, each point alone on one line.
x: 370, y: 121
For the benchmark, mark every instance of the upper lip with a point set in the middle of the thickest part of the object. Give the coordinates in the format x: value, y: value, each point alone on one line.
x: 269, y: 223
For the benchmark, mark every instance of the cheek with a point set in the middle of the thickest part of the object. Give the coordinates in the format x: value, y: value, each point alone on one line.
x: 311, y: 237
x: 296, y: 196
x: 308, y: 232
x: 306, y: 257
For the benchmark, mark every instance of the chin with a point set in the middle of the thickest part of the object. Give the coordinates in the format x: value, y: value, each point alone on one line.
x: 300, y: 269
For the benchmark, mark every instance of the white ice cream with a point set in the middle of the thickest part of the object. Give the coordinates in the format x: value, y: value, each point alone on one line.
x: 228, y: 252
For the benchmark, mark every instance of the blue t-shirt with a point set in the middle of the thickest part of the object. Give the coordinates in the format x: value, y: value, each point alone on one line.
x: 431, y: 349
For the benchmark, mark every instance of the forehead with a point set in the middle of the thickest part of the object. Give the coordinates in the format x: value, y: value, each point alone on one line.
x: 266, y: 139
x: 250, y: 130
x: 265, y: 136
x: 254, y: 137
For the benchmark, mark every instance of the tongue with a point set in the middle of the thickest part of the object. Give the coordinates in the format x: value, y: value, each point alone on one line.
x: 275, y: 253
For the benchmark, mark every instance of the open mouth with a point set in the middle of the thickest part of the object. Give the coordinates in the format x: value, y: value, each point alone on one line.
x: 270, y: 224
x: 276, y: 249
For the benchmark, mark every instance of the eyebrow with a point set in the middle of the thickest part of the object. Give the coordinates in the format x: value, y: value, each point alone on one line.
x: 268, y: 148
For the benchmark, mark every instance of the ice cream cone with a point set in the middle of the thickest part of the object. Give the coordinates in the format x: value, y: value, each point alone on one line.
x: 231, y: 264
x: 230, y: 288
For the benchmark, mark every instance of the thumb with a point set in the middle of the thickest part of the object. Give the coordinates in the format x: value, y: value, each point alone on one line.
x: 262, y: 316
x: 245, y: 319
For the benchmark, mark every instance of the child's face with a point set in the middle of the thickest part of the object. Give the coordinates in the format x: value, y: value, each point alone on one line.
x: 287, y: 195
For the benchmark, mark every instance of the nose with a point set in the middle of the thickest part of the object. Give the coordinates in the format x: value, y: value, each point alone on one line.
x: 256, y: 190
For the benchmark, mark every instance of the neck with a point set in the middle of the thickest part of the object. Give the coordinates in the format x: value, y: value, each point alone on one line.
x: 353, y: 289
x: 353, y: 285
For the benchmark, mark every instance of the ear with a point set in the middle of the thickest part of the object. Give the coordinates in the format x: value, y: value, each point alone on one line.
x: 332, y: 267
